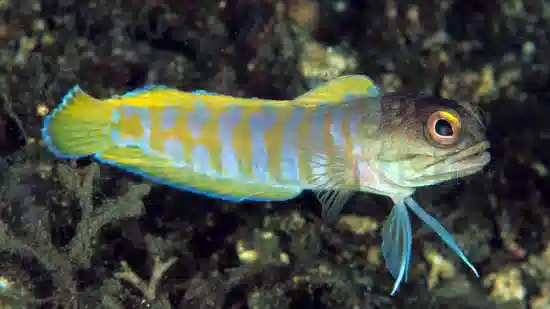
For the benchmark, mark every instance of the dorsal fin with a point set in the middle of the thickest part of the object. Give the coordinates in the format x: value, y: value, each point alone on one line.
x: 336, y: 90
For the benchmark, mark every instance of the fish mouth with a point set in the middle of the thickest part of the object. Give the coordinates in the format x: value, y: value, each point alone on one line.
x: 463, y: 163
x: 427, y: 170
x: 476, y: 155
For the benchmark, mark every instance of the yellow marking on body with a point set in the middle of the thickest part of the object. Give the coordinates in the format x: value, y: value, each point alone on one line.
x: 274, y: 140
x: 158, y: 134
x: 303, y: 137
x: 182, y: 133
x: 242, y: 141
x: 209, y: 137
x: 130, y: 126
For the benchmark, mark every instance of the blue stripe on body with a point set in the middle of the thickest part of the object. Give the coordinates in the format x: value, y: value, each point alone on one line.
x: 201, y: 161
x: 175, y: 151
x: 226, y: 123
x: 318, y: 162
x: 260, y: 122
x: 196, y: 119
x: 169, y: 117
x: 337, y: 125
x: 289, y: 158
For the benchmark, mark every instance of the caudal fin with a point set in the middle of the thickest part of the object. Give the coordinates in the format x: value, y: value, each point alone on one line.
x: 80, y: 126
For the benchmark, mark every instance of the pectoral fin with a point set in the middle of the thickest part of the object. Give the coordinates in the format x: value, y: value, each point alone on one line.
x: 333, y: 201
x: 335, y: 181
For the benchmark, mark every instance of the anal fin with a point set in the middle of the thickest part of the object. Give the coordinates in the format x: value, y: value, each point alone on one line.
x: 160, y: 169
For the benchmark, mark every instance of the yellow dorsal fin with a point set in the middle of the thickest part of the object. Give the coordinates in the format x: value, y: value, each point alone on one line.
x: 162, y: 96
x: 336, y: 90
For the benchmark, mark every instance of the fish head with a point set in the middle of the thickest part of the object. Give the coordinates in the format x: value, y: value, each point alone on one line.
x: 421, y: 141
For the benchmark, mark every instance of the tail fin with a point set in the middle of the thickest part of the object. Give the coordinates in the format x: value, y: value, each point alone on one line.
x: 80, y: 126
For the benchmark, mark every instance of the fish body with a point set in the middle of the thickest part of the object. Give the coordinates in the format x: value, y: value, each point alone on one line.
x: 226, y: 147
x: 342, y: 137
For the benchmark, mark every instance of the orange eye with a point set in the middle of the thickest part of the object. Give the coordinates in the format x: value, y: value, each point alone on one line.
x: 443, y: 127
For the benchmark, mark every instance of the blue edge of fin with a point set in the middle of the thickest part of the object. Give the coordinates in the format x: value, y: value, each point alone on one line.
x: 51, y: 147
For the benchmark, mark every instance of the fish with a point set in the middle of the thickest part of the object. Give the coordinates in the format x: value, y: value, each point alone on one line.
x: 343, y: 137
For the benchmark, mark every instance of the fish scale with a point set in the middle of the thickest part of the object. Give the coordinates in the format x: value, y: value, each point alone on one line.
x: 218, y: 145
x: 263, y: 141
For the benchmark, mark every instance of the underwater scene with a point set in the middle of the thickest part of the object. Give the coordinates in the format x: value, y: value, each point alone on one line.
x: 274, y: 154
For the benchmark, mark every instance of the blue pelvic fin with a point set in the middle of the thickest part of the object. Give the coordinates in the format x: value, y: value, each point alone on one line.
x: 440, y: 230
x: 397, y: 239
x: 396, y: 243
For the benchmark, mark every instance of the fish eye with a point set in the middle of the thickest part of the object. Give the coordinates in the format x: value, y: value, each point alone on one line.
x: 443, y: 127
